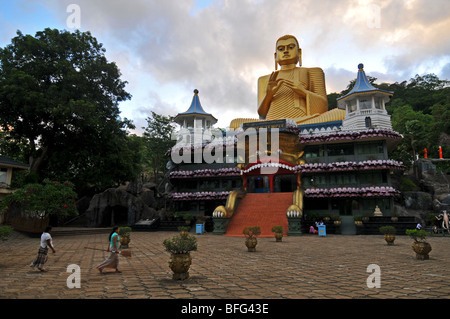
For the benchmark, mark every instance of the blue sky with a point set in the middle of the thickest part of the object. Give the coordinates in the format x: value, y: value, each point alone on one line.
x: 166, y: 49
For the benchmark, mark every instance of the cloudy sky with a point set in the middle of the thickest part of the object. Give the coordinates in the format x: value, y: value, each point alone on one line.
x: 166, y: 49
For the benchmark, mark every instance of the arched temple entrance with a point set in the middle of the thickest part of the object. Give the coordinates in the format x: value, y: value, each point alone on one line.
x: 114, y: 215
x: 270, y: 177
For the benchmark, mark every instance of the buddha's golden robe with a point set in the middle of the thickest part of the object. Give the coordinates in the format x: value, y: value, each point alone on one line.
x: 287, y: 104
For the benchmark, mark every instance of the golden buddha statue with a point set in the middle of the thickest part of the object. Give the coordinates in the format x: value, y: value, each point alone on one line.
x: 295, y: 93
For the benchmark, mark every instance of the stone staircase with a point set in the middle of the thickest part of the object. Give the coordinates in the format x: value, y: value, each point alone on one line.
x: 348, y: 225
x: 260, y: 209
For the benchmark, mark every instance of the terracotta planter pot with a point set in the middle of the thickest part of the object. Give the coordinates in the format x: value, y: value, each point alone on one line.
x: 180, y: 264
x: 279, y: 237
x: 251, y: 243
x: 124, y: 240
x: 389, y: 238
x: 422, y: 250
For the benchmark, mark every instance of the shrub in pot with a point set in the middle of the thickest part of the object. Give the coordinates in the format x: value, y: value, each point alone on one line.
x: 389, y: 234
x: 278, y: 230
x: 124, y: 235
x: 188, y: 218
x: 250, y: 237
x: 179, y: 247
x: 420, y: 246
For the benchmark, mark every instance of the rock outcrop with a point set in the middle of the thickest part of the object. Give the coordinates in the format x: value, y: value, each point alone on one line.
x: 125, y: 204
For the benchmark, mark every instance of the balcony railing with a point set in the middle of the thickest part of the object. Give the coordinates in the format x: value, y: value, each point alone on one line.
x: 366, y: 112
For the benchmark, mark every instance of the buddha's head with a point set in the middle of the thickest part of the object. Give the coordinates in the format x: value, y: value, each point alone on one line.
x: 287, y: 51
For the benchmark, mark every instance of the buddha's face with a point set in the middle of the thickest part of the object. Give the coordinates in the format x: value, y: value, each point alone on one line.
x: 287, y: 52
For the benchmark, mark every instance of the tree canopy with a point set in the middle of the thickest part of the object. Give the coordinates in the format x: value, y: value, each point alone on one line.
x: 158, y: 140
x: 59, y: 99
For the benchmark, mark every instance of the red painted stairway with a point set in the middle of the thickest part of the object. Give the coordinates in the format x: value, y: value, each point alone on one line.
x: 260, y: 209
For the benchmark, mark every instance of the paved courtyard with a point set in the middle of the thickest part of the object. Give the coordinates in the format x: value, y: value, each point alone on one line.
x: 332, y: 267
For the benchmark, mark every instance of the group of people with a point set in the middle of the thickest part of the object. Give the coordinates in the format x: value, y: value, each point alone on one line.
x: 46, y: 243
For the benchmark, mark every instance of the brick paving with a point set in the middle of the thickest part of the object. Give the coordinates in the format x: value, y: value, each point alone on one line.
x: 305, y: 267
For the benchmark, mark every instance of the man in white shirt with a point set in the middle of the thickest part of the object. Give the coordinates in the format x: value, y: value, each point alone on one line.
x: 46, y: 242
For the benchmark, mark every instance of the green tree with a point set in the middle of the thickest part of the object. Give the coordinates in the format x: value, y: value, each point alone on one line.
x: 441, y: 124
x: 59, y: 97
x: 158, y: 140
x: 49, y: 198
x: 415, y: 128
x: 332, y: 100
x: 421, y: 93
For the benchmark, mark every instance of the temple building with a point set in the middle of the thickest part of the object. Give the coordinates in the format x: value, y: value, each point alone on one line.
x: 7, y: 167
x: 200, y: 186
x: 289, y: 168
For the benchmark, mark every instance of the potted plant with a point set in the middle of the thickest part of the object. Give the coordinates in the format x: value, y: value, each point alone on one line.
x: 250, y: 234
x: 278, y: 230
x: 389, y: 234
x: 188, y: 218
x: 179, y: 247
x: 358, y: 220
x: 124, y: 235
x: 394, y: 218
x: 337, y: 223
x: 420, y: 246
x: 184, y: 230
x: 336, y: 220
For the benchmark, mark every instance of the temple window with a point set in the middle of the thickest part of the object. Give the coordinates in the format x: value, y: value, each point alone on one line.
x: 378, y: 103
x: 365, y: 104
x: 370, y: 148
x: 317, y: 180
x: 352, y: 106
x: 373, y: 178
x: 342, y: 180
x: 382, y: 203
x: 313, y: 151
x: 340, y: 149
x: 3, y: 175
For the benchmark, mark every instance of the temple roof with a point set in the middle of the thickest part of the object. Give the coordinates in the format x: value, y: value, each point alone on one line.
x: 195, y: 108
x: 6, y: 161
x: 362, y: 85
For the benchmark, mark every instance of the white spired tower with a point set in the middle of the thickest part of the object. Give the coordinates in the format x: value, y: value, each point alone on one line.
x: 193, y: 123
x: 365, y: 105
x: 195, y: 117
